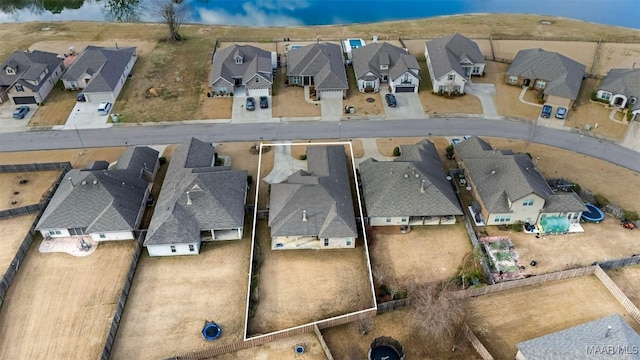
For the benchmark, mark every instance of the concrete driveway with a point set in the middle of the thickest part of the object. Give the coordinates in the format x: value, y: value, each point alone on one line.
x: 240, y: 115
x: 85, y: 116
x: 484, y: 92
x: 284, y: 164
x: 331, y: 108
x: 8, y: 123
x: 409, y: 106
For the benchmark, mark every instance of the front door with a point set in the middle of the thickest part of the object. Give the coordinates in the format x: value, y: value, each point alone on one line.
x: 526, y: 82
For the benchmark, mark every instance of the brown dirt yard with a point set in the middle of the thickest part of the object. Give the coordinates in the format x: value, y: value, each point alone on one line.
x: 13, y: 232
x: 25, y: 194
x: 301, y: 286
x: 281, y: 349
x: 346, y: 342
x: 60, y: 306
x: 78, y: 158
x: 600, y: 242
x: 506, y: 318
x: 171, y: 297
x: 426, y: 254
x: 627, y: 278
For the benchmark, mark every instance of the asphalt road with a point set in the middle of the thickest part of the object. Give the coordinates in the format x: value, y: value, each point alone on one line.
x: 174, y: 133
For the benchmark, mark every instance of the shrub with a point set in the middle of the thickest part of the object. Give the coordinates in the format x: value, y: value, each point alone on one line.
x: 396, y: 151
x: 385, y: 289
x: 218, y: 162
x: 601, y: 201
x: 449, y: 151
x: 162, y: 160
x: 577, y: 188
x: 631, y: 215
x: 303, y: 157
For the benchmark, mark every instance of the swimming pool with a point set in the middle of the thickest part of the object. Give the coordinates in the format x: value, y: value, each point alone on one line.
x: 355, y: 43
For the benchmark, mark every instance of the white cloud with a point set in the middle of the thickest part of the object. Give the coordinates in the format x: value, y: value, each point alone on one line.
x: 251, y: 16
x: 289, y: 5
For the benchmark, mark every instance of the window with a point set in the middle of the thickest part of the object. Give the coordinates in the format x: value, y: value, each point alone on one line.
x: 102, y: 236
x: 257, y: 79
x: 513, y: 79
x: 10, y: 70
x: 238, y: 59
x: 192, y: 248
x: 406, y: 79
x: 476, y: 69
x: 55, y: 232
x: 540, y: 84
x: 326, y: 242
x: 19, y: 88
x: 605, y: 95
x: 632, y: 100
x: 384, y: 67
x: 527, y: 202
x: 348, y: 242
x: 451, y: 77
x: 173, y: 248
x: 404, y: 219
x: 503, y: 218
x: 388, y: 220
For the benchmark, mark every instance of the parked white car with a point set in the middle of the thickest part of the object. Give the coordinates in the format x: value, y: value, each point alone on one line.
x: 104, y: 108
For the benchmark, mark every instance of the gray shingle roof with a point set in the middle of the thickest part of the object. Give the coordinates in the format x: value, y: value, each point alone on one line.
x: 98, y: 200
x: 136, y: 158
x: 623, y: 81
x: 105, y: 65
x: 323, y: 61
x: 563, y: 75
x: 446, y: 54
x: 414, y: 184
x: 215, y: 201
x: 29, y: 66
x: 501, y: 177
x: 368, y: 58
x: 323, y: 192
x: 255, y: 61
x: 572, y: 343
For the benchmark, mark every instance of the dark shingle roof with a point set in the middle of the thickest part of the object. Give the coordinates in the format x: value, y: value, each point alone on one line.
x: 323, y: 61
x: 414, y: 184
x: 255, y: 61
x: 573, y: 343
x: 368, y: 58
x: 105, y: 65
x: 563, y: 75
x: 446, y: 54
x: 215, y: 201
x: 323, y: 193
x: 29, y: 66
x: 623, y: 81
x: 137, y: 158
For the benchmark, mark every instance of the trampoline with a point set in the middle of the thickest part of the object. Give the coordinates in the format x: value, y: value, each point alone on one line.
x: 594, y: 214
x: 211, y: 331
x: 385, y: 348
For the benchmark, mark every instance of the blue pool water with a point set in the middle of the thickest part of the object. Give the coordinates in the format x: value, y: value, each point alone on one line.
x: 355, y: 43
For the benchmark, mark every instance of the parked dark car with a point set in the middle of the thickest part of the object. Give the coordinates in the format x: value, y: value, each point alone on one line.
x: 20, y: 112
x: 251, y: 104
x: 546, y: 111
x: 391, y: 100
x: 561, y: 113
x: 80, y: 97
x: 264, y: 102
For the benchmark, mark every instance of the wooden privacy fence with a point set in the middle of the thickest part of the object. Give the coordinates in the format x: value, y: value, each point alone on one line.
x: 22, y: 210
x: 11, y: 168
x: 617, y: 293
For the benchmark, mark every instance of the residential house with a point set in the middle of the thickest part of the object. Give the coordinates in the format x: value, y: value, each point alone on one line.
x: 243, y: 67
x: 411, y: 190
x: 105, y: 204
x: 314, y: 209
x: 378, y: 63
x: 100, y: 72
x: 320, y: 66
x: 558, y: 77
x: 621, y: 88
x: 602, y: 339
x: 198, y: 202
x: 28, y: 77
x: 509, y: 188
x: 452, y: 61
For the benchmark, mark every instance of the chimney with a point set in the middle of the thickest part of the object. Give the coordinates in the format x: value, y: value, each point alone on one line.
x: 608, y: 331
x: 375, y: 39
x: 422, y: 187
x: 304, y: 215
x: 189, y: 199
x: 71, y: 181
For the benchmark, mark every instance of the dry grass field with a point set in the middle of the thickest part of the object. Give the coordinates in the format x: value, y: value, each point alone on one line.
x: 60, y: 306
x: 512, y: 316
x: 171, y: 297
x: 78, y: 158
x: 13, y: 232
x: 281, y: 349
x: 13, y: 194
x: 627, y: 278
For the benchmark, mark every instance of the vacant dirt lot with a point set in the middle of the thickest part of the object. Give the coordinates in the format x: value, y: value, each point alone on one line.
x: 604, y: 241
x: 281, y: 349
x: 512, y: 316
x: 13, y: 194
x: 426, y: 254
x: 13, y: 232
x: 627, y: 278
x: 60, y: 306
x: 301, y: 286
x: 171, y: 298
x: 346, y: 342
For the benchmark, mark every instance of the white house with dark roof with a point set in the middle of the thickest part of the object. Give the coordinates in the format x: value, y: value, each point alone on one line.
x: 320, y: 65
x: 510, y: 189
x: 606, y: 338
x: 28, y: 77
x: 621, y: 88
x: 100, y: 72
x: 106, y: 204
x: 243, y: 66
x: 557, y: 76
x: 382, y: 62
x: 313, y: 209
x: 198, y: 202
x: 411, y: 190
x: 452, y: 61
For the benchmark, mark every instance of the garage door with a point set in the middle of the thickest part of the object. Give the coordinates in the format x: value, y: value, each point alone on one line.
x: 24, y: 100
x: 405, y: 89
x: 258, y: 92
x: 331, y: 94
x: 99, y: 97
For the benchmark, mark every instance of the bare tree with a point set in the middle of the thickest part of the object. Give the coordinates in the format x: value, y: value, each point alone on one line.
x: 365, y: 324
x: 438, y: 313
x: 173, y: 12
